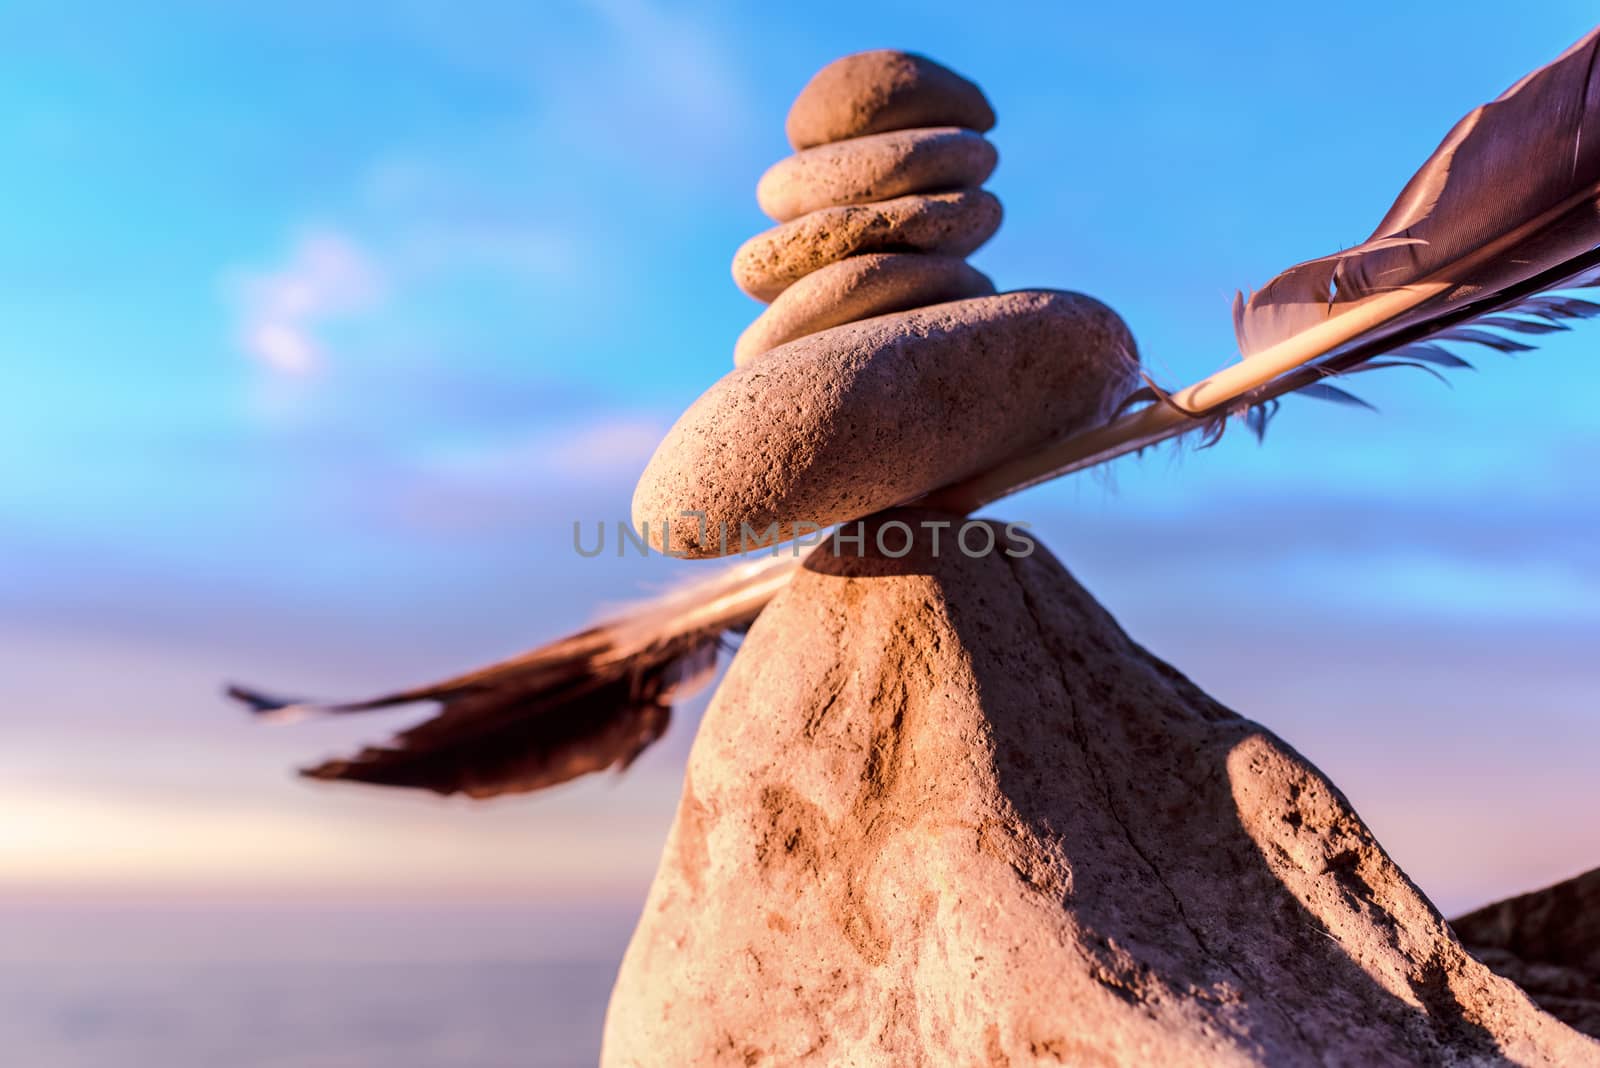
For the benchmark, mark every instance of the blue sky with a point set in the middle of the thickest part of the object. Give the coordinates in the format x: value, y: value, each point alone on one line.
x: 319, y: 324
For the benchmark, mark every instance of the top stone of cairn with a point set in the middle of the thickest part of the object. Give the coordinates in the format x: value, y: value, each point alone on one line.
x: 882, y: 90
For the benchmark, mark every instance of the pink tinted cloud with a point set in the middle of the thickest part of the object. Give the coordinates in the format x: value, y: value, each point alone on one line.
x: 327, y: 275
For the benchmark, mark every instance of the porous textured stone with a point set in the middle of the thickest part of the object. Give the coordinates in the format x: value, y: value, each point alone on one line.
x: 876, y: 167
x: 942, y: 811
x: 875, y: 413
x: 884, y: 89
x: 953, y: 224
x: 859, y: 287
x: 1547, y: 942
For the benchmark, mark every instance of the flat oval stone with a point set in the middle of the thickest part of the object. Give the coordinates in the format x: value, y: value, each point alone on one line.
x: 871, y: 414
x: 953, y: 224
x: 875, y: 167
x: 883, y: 89
x: 859, y: 287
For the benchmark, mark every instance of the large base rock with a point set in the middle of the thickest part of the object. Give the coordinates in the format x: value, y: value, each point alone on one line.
x: 1548, y: 943
x: 944, y: 812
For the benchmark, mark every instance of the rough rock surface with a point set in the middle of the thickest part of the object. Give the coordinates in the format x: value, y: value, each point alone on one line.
x: 1547, y: 942
x: 944, y: 812
x: 876, y: 167
x: 952, y: 224
x: 884, y: 89
x: 872, y: 414
x: 859, y: 287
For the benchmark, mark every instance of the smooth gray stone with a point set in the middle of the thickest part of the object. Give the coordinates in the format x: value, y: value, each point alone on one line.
x: 875, y: 413
x: 875, y: 167
x: 859, y: 287
x: 883, y: 89
x: 951, y: 224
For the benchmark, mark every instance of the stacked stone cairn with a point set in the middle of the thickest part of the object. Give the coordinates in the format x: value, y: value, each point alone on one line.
x: 942, y: 810
x: 884, y: 366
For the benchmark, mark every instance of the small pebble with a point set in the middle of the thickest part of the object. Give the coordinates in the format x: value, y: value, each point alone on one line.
x: 952, y: 224
x: 884, y: 89
x: 875, y: 167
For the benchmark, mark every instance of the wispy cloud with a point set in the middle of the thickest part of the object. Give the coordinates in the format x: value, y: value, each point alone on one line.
x: 327, y: 275
x: 608, y: 448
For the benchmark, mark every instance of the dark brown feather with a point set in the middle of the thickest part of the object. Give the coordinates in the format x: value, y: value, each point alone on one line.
x: 1527, y: 161
x: 585, y: 703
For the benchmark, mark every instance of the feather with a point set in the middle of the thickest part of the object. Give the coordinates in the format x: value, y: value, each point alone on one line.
x: 1324, y: 391
x: 1502, y: 216
x: 1510, y: 192
x: 588, y: 702
x: 1479, y: 246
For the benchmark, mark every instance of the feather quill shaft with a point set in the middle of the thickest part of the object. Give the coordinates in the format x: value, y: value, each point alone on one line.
x: 1260, y: 378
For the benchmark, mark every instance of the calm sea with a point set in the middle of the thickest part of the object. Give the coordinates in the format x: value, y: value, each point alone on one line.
x: 204, y: 987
